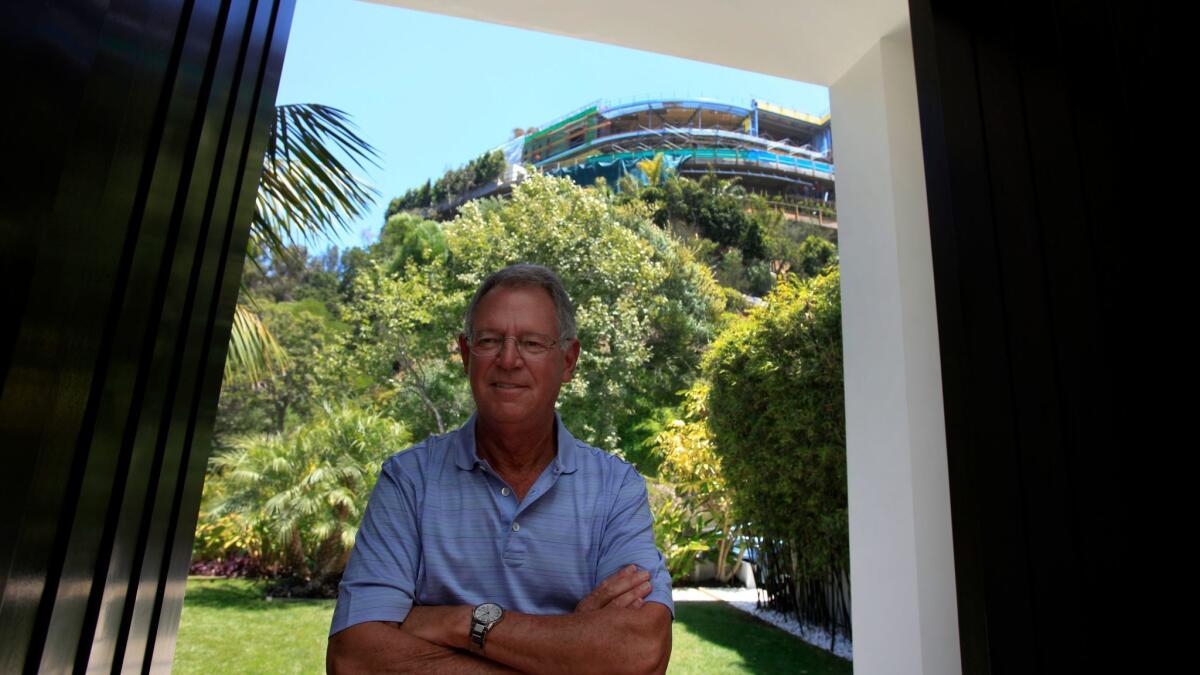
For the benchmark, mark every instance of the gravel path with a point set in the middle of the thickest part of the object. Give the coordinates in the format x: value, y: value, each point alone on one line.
x: 746, y: 599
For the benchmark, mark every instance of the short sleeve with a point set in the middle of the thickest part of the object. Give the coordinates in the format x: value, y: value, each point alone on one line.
x: 380, y: 579
x: 629, y: 539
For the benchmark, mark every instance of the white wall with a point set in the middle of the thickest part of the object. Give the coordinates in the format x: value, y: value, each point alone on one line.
x: 904, y: 611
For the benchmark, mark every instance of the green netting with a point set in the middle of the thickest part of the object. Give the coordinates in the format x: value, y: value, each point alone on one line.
x: 558, y: 125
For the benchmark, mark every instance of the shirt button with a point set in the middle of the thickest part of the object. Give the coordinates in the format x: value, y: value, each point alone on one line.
x: 516, y: 527
x: 504, y: 491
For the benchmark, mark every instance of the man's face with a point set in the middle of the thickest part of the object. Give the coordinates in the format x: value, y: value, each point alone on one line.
x: 511, y: 387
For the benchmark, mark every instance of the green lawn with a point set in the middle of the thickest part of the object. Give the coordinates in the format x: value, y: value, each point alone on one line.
x: 712, y: 637
x: 228, y: 627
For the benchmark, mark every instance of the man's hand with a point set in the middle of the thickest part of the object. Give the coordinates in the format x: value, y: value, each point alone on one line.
x: 625, y: 588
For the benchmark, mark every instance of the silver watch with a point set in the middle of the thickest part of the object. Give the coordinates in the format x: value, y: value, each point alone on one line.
x: 482, y: 619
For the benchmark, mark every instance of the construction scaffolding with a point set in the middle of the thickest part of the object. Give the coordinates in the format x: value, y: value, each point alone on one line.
x: 770, y: 149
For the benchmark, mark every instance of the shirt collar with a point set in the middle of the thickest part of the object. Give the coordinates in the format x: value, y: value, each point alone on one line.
x: 466, y: 456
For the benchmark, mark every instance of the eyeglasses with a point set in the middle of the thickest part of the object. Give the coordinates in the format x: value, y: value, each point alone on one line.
x: 529, y: 345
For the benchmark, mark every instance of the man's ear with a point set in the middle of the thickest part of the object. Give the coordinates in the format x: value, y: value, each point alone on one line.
x: 464, y: 350
x: 571, y: 358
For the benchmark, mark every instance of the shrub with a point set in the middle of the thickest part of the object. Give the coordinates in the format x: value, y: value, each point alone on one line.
x: 300, y: 496
x: 777, y: 412
x: 700, y: 510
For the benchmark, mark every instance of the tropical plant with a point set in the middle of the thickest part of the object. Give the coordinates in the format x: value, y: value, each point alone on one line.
x: 692, y: 465
x: 303, y: 493
x: 682, y: 531
x: 655, y: 169
x: 253, y: 350
x: 711, y: 207
x: 792, y: 244
x: 305, y: 191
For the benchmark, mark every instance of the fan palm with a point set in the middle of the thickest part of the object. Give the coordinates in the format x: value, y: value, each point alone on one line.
x: 306, y: 191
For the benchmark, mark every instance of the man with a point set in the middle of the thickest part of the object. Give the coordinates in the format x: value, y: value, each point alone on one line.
x: 480, y: 550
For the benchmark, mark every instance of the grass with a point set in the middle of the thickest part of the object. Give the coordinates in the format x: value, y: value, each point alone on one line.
x: 712, y: 637
x: 228, y: 627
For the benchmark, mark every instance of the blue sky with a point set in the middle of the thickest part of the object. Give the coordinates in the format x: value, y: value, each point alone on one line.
x: 432, y: 92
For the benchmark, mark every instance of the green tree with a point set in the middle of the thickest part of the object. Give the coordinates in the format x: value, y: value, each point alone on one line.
x: 815, y: 255
x: 453, y: 184
x: 294, y: 276
x: 718, y: 208
x: 351, y: 264
x: 776, y: 408
x: 305, y: 330
x: 645, y: 310
x: 712, y: 207
x: 401, y: 343
x: 793, y: 245
x: 406, y: 237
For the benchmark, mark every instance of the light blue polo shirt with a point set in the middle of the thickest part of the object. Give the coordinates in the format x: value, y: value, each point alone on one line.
x: 442, y: 528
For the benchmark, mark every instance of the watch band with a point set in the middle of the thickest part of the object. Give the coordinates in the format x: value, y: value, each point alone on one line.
x: 483, y: 618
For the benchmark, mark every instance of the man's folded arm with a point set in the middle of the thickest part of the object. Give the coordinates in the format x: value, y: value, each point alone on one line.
x: 608, y: 640
x: 626, y: 635
x: 377, y: 590
x: 382, y: 647
x: 614, y: 629
x: 604, y: 641
x: 629, y: 539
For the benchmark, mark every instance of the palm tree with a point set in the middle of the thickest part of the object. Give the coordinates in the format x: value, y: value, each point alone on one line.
x: 302, y: 494
x: 655, y: 169
x: 305, y: 192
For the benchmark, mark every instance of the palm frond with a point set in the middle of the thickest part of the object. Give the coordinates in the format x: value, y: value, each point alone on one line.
x: 253, y: 351
x: 654, y: 169
x: 306, y: 191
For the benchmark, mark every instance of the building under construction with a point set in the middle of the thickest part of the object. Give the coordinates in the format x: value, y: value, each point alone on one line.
x: 782, y: 153
x: 771, y: 149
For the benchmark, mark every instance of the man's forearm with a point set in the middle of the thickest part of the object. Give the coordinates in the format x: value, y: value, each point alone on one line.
x: 611, y: 640
x: 379, y: 647
x: 604, y: 641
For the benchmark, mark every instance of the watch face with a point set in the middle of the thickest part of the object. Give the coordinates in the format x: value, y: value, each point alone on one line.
x: 488, y: 612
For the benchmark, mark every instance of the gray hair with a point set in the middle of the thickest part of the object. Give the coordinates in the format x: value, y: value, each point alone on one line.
x: 516, y: 276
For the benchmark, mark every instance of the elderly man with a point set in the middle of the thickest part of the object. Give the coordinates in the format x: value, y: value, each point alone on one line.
x: 481, y: 549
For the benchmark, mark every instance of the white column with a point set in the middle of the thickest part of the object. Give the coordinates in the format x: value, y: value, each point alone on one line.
x: 901, y: 559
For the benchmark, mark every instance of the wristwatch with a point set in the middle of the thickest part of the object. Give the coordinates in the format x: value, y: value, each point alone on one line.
x: 482, y: 619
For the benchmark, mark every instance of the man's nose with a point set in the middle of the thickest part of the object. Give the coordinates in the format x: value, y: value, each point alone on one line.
x: 509, y: 354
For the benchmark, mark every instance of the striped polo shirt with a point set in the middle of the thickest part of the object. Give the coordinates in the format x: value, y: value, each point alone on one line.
x: 442, y: 528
